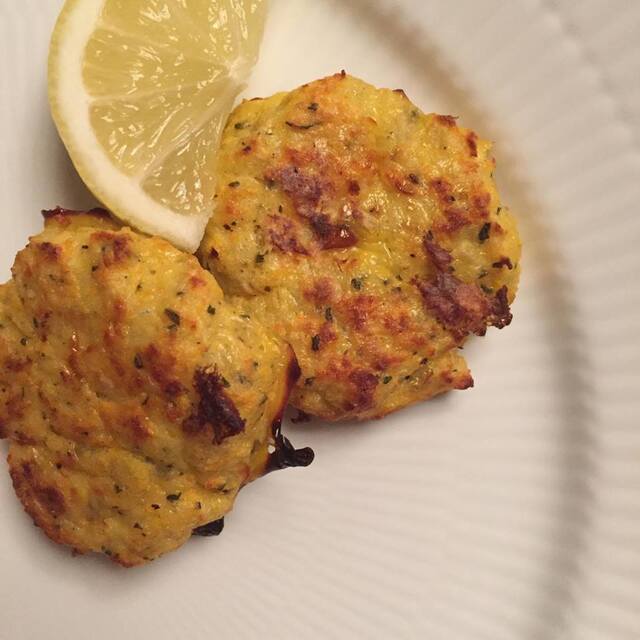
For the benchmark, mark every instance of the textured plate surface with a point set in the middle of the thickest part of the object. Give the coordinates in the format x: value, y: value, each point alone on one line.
x: 508, y: 511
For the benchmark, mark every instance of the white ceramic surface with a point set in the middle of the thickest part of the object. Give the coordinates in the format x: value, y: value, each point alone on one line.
x: 510, y: 511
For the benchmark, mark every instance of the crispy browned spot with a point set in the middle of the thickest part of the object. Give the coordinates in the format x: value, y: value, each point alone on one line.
x: 463, y: 308
x: 405, y: 184
x: 51, y: 499
x: 401, y: 92
x: 62, y: 215
x: 443, y: 190
x: 215, y: 408
x: 41, y: 323
x: 466, y: 382
x: 332, y: 236
x: 358, y: 309
x: 283, y: 236
x: 449, y: 121
x: 306, y: 191
x: 472, y: 143
x: 455, y: 220
x: 364, y: 383
x: 116, y: 247
x: 327, y: 333
x: 50, y: 251
x: 160, y: 367
x: 480, y: 205
x: 440, y: 257
x: 15, y: 365
x: 138, y: 428
x: 321, y: 292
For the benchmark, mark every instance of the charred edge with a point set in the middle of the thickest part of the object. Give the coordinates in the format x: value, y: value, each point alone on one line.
x: 501, y: 313
x: 448, y: 121
x: 61, y: 211
x: 285, y: 454
x: 215, y: 408
x: 210, y: 529
x: 464, y: 308
x: 472, y: 143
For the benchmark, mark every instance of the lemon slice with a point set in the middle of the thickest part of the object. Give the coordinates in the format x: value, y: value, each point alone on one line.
x: 140, y: 91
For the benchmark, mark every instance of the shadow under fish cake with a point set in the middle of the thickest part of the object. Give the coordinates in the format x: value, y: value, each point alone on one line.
x: 137, y: 401
x: 368, y: 235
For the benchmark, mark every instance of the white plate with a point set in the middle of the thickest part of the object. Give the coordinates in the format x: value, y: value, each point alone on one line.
x: 510, y: 511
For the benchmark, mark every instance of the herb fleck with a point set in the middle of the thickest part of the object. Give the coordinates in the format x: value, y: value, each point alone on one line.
x: 414, y: 178
x: 211, y: 310
x: 240, y: 125
x: 386, y: 379
x: 259, y: 258
x: 173, y: 497
x: 328, y: 314
x: 117, y: 488
x: 356, y: 283
x: 23, y: 341
x: 313, y: 106
x: 173, y: 316
x: 424, y: 361
x: 484, y: 232
x: 315, y: 342
x: 308, y: 381
x: 155, y: 506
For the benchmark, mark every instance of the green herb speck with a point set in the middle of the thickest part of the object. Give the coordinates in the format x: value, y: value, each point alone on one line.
x: 173, y: 316
x: 484, y: 232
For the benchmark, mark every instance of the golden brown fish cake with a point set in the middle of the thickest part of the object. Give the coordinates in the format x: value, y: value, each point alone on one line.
x: 137, y: 401
x: 366, y: 233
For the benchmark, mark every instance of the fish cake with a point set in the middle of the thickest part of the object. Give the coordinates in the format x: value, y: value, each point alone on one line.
x: 367, y: 234
x: 136, y: 400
